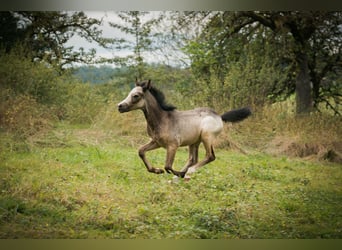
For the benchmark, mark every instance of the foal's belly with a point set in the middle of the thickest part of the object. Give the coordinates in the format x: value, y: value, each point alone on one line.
x: 190, y: 140
x: 179, y: 140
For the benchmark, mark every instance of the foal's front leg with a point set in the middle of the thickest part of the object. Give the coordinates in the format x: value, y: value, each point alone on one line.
x: 147, y: 147
x: 170, y: 157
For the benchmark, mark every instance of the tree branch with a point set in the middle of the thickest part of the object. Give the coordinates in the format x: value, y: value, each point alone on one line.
x: 268, y: 22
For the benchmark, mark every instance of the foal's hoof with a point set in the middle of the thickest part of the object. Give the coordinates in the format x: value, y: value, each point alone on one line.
x: 181, y: 174
x: 168, y: 170
x: 158, y: 171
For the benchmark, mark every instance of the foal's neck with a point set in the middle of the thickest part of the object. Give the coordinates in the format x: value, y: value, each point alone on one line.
x: 154, y: 114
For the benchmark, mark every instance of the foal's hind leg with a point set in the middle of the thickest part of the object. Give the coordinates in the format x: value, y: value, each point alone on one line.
x: 209, y: 157
x: 147, y: 147
x: 193, y: 158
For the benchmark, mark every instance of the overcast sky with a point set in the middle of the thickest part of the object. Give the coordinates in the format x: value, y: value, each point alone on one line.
x: 107, y: 31
x: 110, y: 32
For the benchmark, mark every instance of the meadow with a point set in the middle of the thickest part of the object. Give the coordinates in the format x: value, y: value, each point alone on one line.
x: 88, y: 182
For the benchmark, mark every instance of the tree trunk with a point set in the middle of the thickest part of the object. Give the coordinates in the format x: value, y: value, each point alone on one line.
x: 304, y: 98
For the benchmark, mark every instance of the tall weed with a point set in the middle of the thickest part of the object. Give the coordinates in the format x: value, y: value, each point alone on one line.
x: 276, y: 129
x: 24, y: 116
x: 83, y: 103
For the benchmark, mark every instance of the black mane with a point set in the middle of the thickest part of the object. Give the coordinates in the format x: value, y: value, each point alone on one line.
x: 161, y: 99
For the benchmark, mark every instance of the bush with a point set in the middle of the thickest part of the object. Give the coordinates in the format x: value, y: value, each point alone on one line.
x: 83, y: 103
x: 31, y: 95
x: 24, y: 116
x: 24, y: 77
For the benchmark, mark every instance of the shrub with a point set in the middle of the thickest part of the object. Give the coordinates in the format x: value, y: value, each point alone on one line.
x: 24, y: 77
x: 83, y: 103
x: 24, y: 116
x: 31, y: 94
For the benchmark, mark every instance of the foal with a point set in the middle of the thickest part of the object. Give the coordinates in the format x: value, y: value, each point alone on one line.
x: 170, y: 129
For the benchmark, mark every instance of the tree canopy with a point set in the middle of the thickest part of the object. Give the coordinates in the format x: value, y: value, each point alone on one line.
x: 44, y: 35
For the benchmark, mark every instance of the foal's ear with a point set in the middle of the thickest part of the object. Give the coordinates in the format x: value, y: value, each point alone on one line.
x: 148, y: 84
x: 145, y: 85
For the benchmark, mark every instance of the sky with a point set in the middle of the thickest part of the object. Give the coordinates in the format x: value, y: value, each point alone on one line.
x: 107, y: 31
x: 174, y: 56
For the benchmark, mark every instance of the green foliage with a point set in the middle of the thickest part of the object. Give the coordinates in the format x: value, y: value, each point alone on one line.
x: 32, y: 90
x: 34, y: 96
x: 83, y: 103
x: 256, y: 79
x: 30, y: 95
x: 22, y: 76
x: 270, y: 55
x: 252, y: 74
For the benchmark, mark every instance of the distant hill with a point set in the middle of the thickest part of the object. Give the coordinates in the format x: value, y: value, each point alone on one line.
x: 98, y: 75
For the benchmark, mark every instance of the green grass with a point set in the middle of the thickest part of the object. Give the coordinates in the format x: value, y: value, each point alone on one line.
x: 87, y: 183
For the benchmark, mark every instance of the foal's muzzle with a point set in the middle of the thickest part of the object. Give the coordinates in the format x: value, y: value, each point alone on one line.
x: 123, y: 107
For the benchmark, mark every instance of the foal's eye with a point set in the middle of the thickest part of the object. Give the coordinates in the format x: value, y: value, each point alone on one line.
x: 135, y: 97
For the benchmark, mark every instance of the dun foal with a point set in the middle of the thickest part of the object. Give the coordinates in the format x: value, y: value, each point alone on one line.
x: 170, y: 129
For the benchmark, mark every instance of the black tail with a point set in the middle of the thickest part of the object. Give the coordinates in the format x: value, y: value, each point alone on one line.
x: 236, y: 115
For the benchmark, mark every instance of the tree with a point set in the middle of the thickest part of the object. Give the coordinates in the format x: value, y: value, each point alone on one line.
x: 141, y: 35
x: 307, y: 29
x: 45, y: 35
x: 312, y: 40
x: 242, y: 70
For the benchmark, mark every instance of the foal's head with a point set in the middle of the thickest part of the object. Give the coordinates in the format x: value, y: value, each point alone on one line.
x: 135, y: 98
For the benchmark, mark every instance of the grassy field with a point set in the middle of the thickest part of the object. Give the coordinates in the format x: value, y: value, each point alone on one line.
x: 89, y: 183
